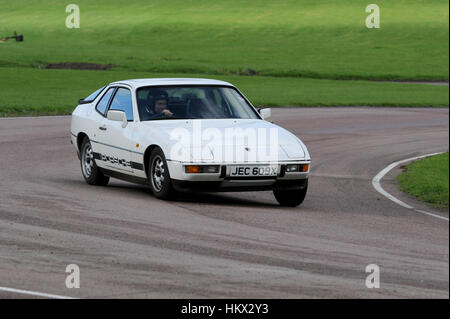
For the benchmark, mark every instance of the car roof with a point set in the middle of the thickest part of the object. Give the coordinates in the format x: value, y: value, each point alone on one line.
x: 137, y: 83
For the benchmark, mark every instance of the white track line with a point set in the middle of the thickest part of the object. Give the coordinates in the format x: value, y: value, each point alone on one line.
x: 33, y: 293
x: 376, y: 184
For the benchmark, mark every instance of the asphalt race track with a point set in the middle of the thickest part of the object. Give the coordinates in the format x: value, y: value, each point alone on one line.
x: 130, y: 245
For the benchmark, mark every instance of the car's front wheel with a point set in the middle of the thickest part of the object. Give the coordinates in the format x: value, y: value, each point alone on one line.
x: 159, y: 176
x: 291, y: 198
x: 89, y: 169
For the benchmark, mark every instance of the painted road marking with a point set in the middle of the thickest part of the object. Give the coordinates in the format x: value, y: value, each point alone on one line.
x: 377, y: 185
x: 34, y: 293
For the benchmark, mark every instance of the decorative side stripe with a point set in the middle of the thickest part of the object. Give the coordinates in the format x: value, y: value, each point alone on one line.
x: 137, y: 166
x: 115, y: 160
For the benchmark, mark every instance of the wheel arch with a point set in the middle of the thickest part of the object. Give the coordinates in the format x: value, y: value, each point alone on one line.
x: 147, y: 153
x: 80, y: 138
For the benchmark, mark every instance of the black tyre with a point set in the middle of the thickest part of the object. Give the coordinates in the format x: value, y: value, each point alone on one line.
x: 90, y: 171
x: 291, y: 198
x: 159, y: 176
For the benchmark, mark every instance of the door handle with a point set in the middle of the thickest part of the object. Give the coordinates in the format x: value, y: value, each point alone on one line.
x: 103, y: 128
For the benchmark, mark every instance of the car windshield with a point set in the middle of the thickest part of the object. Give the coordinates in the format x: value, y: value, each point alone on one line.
x: 192, y: 102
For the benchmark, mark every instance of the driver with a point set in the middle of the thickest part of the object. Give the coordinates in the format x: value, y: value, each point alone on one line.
x: 158, y: 105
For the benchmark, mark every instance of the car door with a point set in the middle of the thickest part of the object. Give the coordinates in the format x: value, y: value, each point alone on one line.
x: 98, y: 131
x: 116, y: 141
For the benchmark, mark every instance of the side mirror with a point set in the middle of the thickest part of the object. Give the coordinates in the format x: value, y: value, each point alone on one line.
x: 265, y: 113
x: 119, y: 116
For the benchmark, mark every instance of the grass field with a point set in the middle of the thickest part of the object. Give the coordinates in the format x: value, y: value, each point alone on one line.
x: 18, y: 99
x: 290, y: 44
x: 427, y: 179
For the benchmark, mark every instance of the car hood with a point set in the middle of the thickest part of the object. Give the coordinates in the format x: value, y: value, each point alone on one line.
x: 213, y: 135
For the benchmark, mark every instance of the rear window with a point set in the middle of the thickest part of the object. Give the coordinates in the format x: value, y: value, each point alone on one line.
x: 94, y: 95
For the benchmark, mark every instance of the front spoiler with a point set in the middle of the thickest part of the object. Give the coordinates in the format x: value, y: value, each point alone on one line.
x: 227, y: 185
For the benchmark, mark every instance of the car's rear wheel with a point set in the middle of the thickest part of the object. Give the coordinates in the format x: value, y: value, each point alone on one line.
x: 90, y: 171
x: 291, y: 198
x: 159, y: 176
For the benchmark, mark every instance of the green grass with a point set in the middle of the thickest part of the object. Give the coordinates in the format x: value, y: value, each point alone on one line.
x: 38, y: 92
x: 428, y: 180
x: 303, y: 50
x: 326, y: 39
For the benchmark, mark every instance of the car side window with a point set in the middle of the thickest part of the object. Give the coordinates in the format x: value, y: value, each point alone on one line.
x: 94, y: 95
x: 122, y: 102
x: 103, y: 103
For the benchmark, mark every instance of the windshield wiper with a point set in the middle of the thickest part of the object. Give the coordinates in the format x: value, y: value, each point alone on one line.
x: 173, y: 118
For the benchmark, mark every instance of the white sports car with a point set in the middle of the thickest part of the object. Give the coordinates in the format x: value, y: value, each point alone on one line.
x: 186, y: 134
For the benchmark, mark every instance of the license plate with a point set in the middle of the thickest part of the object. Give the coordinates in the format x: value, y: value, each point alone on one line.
x: 238, y: 171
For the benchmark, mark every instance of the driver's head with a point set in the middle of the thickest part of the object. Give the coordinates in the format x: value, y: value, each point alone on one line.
x: 160, y: 101
x: 160, y: 105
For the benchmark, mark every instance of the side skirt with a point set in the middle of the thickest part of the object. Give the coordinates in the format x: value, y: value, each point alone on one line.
x: 124, y: 177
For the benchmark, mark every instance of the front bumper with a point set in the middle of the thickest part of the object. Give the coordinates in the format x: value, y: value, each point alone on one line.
x: 226, y: 186
x: 221, y: 182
